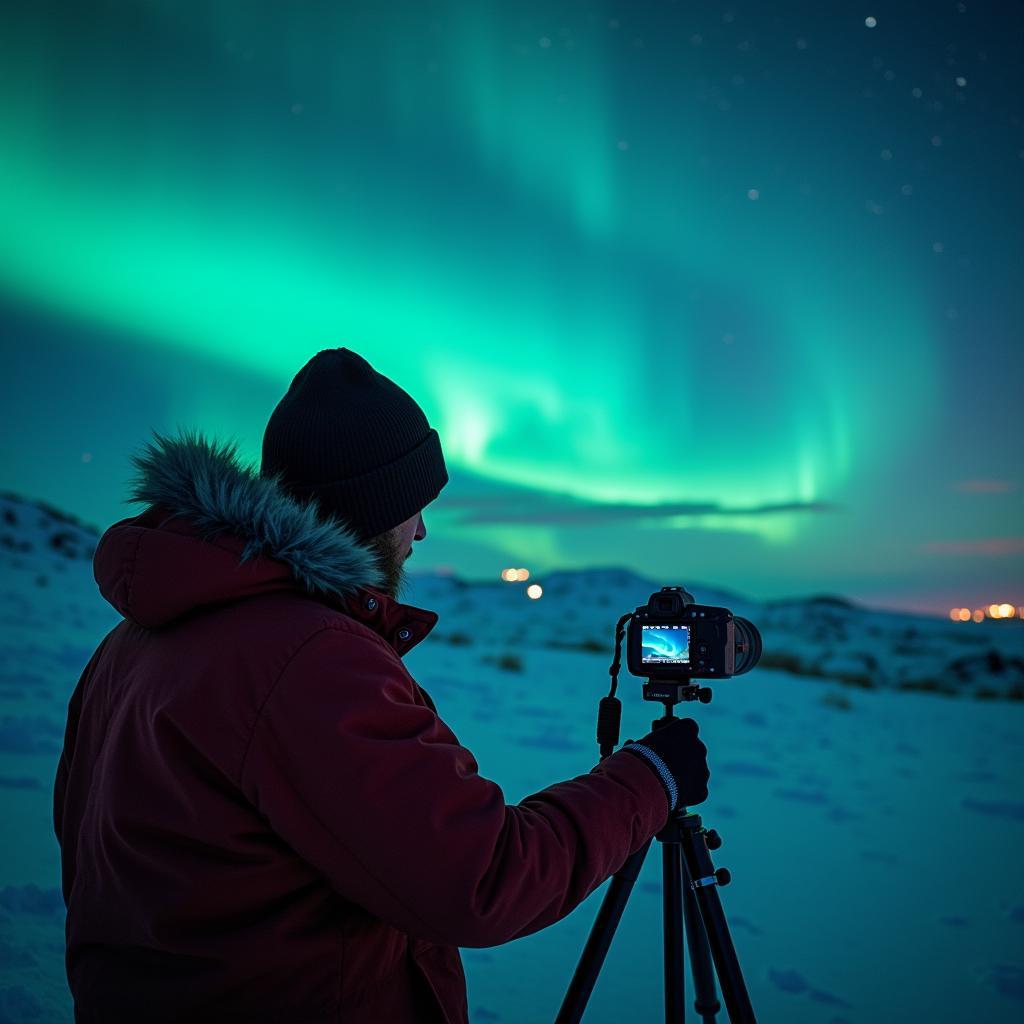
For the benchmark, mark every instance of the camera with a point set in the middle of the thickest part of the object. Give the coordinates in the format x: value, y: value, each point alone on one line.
x: 673, y: 638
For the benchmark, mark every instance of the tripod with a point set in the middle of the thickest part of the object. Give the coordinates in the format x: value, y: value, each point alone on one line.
x: 685, y: 846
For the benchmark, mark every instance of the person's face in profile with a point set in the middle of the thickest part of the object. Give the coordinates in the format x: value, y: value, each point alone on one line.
x: 393, y: 547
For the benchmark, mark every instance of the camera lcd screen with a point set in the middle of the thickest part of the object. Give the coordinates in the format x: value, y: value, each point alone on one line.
x: 665, y: 645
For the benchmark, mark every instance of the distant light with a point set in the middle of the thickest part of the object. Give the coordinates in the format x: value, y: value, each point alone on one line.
x: 954, y: 614
x: 870, y: 22
x: 753, y: 193
x: 916, y: 93
x: 993, y: 611
x: 1006, y: 611
x: 961, y: 81
x: 534, y: 590
x: 978, y: 615
x: 965, y: 614
x: 513, y: 575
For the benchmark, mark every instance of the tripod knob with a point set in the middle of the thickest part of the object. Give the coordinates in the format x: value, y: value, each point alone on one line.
x: 713, y: 839
x: 723, y: 876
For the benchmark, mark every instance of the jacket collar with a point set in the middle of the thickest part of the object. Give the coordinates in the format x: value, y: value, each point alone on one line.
x: 216, y: 531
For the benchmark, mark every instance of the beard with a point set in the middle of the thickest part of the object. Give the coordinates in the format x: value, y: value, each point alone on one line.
x: 391, y: 562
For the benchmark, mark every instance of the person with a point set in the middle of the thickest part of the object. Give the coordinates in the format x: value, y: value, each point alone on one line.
x: 261, y: 814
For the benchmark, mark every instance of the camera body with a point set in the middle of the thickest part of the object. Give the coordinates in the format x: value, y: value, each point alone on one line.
x: 671, y: 637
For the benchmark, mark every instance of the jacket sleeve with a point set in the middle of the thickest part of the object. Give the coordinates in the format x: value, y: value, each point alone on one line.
x: 374, y: 790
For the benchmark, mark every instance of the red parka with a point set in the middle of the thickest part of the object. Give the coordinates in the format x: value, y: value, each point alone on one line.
x: 260, y: 813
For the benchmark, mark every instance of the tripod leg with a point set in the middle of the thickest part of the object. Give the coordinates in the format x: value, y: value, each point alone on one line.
x: 672, y: 911
x: 585, y: 976
x: 705, y: 999
x: 704, y: 883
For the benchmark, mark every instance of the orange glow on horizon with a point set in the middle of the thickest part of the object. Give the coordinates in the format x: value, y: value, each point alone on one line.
x: 993, y: 611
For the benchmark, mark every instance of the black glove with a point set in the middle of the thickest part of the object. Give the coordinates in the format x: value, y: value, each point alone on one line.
x: 678, y: 758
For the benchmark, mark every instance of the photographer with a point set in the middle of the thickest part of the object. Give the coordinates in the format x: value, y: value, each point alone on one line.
x: 261, y: 815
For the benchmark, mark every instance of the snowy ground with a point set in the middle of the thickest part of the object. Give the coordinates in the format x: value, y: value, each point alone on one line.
x: 872, y: 818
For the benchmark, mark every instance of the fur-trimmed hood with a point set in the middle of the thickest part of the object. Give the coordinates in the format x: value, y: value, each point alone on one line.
x: 217, y: 531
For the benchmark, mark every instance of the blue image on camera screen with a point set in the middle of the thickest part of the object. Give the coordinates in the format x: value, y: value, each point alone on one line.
x: 665, y: 645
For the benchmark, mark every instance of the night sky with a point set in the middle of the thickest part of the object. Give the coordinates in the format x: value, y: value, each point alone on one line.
x: 724, y: 294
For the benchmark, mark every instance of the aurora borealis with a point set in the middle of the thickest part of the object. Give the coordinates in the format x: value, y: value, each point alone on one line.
x: 726, y: 295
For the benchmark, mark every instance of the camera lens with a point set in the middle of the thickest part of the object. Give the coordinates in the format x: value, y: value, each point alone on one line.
x: 746, y: 633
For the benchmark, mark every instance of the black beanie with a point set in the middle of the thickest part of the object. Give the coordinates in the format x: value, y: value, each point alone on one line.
x: 354, y: 440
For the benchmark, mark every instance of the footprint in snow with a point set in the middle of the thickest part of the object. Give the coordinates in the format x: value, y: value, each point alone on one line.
x: 795, y: 983
x: 1010, y: 809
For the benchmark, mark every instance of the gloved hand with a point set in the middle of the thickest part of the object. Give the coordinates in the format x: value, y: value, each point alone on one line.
x: 678, y: 758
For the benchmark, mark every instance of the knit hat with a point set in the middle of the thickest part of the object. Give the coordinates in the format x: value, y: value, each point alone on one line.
x: 356, y: 442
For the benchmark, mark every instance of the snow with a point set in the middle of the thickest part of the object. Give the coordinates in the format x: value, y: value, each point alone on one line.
x: 869, y: 802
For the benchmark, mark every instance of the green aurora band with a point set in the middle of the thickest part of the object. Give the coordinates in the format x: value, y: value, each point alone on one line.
x: 521, y: 233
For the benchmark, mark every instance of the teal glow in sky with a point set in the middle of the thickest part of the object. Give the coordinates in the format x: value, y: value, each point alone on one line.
x: 724, y: 295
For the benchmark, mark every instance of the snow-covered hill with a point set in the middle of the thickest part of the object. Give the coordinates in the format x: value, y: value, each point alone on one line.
x: 825, y: 638
x: 872, y: 826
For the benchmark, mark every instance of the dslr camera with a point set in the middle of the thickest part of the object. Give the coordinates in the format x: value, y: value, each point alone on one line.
x: 672, y: 640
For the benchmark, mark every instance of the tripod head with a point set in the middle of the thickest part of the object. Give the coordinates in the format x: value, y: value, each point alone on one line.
x: 675, y: 691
